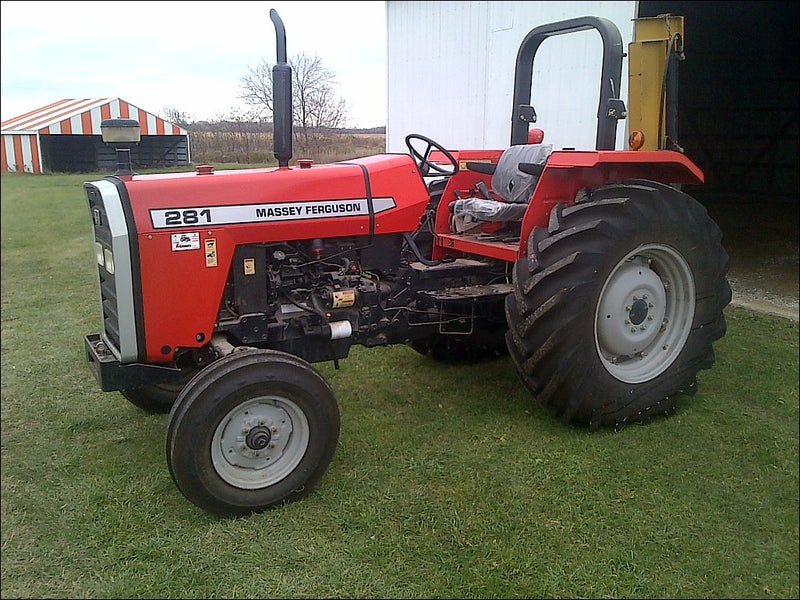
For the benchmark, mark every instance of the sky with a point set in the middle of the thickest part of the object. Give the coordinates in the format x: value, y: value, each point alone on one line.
x: 188, y: 56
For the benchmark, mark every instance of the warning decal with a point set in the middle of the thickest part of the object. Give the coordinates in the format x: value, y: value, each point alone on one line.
x: 186, y: 241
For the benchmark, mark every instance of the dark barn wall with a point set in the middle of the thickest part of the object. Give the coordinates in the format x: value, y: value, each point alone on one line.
x: 67, y: 153
x: 87, y: 153
x: 738, y: 120
x: 738, y: 96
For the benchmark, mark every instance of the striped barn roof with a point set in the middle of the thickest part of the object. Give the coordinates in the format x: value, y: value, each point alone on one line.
x: 83, y: 117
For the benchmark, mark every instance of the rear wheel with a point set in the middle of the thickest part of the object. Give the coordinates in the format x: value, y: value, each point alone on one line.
x: 253, y: 430
x: 617, y: 305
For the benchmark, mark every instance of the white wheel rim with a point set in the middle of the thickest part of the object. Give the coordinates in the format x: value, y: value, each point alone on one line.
x: 260, y: 442
x: 645, y: 313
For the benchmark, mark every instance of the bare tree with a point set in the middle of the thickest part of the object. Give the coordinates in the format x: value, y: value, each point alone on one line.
x: 315, y: 105
x: 257, y: 87
x: 178, y: 117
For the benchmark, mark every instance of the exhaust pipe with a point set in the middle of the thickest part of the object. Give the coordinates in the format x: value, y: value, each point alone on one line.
x: 281, y: 96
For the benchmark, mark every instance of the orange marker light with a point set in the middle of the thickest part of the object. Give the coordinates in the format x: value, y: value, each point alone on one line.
x: 636, y: 140
x: 535, y: 136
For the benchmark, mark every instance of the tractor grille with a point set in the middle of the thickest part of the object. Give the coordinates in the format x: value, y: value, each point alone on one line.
x: 114, y: 245
x: 108, y: 286
x: 108, y: 304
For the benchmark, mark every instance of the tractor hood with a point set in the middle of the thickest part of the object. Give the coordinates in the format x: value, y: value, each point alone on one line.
x: 374, y: 195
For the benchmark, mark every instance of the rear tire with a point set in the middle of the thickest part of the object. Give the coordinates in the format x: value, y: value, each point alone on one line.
x: 253, y: 430
x: 617, y: 305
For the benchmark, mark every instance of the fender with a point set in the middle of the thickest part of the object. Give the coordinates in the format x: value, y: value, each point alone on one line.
x: 569, y: 171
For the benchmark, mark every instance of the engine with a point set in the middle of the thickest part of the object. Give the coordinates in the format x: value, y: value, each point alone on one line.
x: 317, y: 298
x: 313, y: 298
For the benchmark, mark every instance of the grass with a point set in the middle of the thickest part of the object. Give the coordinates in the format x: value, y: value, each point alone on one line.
x: 448, y: 481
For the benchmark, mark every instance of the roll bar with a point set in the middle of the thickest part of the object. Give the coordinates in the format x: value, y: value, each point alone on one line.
x: 610, y: 108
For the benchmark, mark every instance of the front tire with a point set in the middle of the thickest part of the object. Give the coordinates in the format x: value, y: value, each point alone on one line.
x: 617, y: 305
x: 253, y: 430
x: 159, y: 397
x: 156, y: 398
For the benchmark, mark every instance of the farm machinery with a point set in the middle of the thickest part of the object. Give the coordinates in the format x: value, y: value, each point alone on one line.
x: 602, y: 281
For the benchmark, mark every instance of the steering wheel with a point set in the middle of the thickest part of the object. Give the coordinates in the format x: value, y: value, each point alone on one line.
x: 424, y: 163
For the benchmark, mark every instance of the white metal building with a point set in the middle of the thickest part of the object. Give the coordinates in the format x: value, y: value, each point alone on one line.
x: 451, y: 71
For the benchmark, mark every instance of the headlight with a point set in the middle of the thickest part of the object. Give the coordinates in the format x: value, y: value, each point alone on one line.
x: 109, y: 259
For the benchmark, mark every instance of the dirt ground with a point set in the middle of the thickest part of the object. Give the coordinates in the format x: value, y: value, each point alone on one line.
x: 762, y: 241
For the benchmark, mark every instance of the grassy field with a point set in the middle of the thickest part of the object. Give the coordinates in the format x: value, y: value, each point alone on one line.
x: 250, y: 147
x: 448, y: 481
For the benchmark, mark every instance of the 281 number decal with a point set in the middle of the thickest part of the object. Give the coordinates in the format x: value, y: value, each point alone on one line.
x: 187, y: 217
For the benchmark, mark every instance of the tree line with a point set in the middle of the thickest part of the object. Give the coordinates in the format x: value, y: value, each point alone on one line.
x: 319, y: 118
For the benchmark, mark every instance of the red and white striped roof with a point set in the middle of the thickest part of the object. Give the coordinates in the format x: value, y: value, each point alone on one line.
x: 83, y: 117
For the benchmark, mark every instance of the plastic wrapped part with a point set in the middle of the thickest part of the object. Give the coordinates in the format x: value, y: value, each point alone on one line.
x: 508, y: 181
x: 469, y: 213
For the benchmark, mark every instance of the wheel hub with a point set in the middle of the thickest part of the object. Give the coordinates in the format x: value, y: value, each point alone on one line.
x: 638, y: 312
x: 644, y: 313
x: 632, y: 309
x: 258, y: 438
x: 259, y: 442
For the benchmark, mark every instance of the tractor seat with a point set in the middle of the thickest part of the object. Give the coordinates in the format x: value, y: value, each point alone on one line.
x: 518, y: 171
x: 513, y: 179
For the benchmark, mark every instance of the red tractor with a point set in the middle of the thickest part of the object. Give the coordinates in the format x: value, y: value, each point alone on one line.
x: 602, y: 280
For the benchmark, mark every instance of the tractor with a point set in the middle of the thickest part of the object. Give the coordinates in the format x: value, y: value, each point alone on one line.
x: 600, y: 280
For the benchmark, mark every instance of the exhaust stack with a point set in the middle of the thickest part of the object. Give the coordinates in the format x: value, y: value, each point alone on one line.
x: 281, y: 96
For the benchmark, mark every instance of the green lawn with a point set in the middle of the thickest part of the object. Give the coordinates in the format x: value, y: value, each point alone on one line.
x: 447, y: 482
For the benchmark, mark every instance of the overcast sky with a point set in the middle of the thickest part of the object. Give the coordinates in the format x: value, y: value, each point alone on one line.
x: 189, y: 56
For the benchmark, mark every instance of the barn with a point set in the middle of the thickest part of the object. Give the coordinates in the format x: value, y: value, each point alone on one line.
x: 65, y: 137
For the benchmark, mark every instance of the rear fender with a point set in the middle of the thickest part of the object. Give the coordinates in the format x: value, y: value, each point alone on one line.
x: 568, y: 171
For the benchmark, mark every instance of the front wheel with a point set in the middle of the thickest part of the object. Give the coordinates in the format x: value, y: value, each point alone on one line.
x: 159, y: 397
x: 156, y: 398
x: 617, y: 305
x: 253, y: 430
